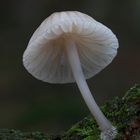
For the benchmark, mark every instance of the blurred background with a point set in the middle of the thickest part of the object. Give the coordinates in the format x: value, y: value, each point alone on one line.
x: 31, y: 105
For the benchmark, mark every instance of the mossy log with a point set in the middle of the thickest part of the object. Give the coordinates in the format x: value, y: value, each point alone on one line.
x: 124, y: 113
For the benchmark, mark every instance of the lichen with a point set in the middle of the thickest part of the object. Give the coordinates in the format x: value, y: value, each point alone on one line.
x: 124, y: 113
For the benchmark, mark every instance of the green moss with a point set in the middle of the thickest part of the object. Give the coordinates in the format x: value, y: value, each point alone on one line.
x: 120, y: 111
x: 6, y: 134
x: 124, y: 113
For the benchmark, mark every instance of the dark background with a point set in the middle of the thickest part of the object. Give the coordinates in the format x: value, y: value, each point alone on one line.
x: 29, y: 104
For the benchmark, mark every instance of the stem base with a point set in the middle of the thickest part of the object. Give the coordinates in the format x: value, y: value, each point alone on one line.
x: 108, y: 134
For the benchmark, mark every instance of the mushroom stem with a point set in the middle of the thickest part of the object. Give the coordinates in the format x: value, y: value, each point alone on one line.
x: 73, y: 58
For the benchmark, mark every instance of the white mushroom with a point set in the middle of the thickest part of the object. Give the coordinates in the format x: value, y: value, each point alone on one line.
x: 71, y: 47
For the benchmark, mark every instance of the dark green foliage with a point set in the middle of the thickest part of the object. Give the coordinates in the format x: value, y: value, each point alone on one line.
x: 124, y: 113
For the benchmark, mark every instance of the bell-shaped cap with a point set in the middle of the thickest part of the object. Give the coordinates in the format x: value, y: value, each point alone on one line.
x: 46, y: 58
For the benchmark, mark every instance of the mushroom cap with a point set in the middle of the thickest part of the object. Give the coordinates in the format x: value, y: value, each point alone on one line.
x: 46, y: 58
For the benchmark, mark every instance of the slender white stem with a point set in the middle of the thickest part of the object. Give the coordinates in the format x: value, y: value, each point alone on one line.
x: 74, y: 61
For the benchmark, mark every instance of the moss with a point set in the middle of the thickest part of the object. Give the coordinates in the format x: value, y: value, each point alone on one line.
x: 6, y: 134
x: 124, y: 113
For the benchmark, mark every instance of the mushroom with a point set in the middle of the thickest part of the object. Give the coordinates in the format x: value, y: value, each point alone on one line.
x: 71, y: 47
